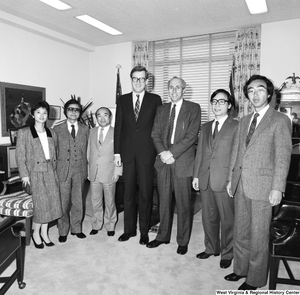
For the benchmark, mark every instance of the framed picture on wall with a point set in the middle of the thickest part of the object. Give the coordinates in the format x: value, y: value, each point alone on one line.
x: 16, y: 103
x: 55, y: 112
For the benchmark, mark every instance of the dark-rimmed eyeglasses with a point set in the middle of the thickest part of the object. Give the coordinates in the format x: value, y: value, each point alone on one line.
x: 141, y: 80
x: 218, y: 101
x: 75, y: 110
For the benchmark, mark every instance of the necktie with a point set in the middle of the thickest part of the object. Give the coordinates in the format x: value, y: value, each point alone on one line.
x: 252, y: 128
x: 216, y: 130
x: 73, y: 131
x: 171, y: 126
x: 137, y: 107
x: 101, y: 136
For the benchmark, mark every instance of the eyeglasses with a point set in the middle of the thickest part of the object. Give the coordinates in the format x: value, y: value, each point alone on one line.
x: 75, y: 110
x: 220, y: 101
x: 141, y: 80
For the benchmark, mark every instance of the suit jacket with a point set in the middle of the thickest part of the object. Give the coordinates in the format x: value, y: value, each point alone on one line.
x: 263, y: 165
x: 134, y: 138
x: 101, y: 157
x: 212, y: 158
x: 30, y: 154
x: 63, y: 163
x: 186, y: 132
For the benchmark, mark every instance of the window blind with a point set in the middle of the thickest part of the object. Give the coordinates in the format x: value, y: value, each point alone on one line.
x: 204, y: 62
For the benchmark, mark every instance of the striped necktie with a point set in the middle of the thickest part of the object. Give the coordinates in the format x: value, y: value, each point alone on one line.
x: 101, y: 136
x: 252, y: 128
x: 137, y: 107
x: 216, y: 130
x: 171, y: 126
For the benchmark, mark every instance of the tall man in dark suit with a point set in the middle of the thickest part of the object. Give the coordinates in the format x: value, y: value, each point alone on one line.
x: 72, y: 169
x: 133, y: 146
x: 259, y: 167
x: 211, y: 175
x: 175, y: 131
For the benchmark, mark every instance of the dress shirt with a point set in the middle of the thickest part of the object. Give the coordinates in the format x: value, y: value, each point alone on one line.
x: 261, y: 114
x: 177, y: 110
x: 105, y: 130
x: 221, y: 122
x: 75, y: 126
x: 44, y: 141
x: 134, y: 99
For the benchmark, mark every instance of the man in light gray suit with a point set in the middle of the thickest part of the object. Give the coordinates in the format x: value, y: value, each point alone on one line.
x: 174, y: 134
x: 211, y: 175
x: 259, y: 167
x: 71, y: 169
x: 103, y: 173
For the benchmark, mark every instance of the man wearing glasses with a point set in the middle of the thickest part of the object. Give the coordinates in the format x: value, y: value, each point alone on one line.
x: 72, y: 169
x: 133, y: 147
x: 258, y: 169
x: 211, y: 175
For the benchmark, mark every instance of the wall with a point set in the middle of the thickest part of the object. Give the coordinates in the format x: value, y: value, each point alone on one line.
x: 30, y: 59
x: 280, y: 50
x: 103, y: 73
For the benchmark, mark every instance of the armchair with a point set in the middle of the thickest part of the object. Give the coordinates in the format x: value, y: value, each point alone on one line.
x: 11, y: 247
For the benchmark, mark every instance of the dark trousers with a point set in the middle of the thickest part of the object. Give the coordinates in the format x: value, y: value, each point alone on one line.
x: 168, y: 182
x: 143, y: 174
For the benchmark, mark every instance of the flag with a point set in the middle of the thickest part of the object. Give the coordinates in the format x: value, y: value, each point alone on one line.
x: 118, y: 87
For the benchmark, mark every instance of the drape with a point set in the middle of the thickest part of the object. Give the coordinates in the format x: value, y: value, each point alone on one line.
x: 246, y: 62
x: 140, y: 54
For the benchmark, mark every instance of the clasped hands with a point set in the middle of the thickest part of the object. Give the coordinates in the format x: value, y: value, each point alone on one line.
x: 167, y: 157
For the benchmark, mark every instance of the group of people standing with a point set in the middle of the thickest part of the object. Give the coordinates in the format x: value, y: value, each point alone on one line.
x: 240, y: 168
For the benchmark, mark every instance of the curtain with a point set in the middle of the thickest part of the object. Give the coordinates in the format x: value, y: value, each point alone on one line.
x: 246, y: 62
x: 140, y: 54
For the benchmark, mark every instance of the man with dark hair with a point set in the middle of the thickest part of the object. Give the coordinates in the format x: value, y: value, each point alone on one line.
x: 103, y: 173
x: 174, y: 134
x: 133, y: 146
x: 258, y: 170
x: 71, y: 169
x: 211, y: 175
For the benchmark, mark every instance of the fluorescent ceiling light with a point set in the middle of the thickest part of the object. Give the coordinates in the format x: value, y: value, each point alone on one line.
x: 57, y: 4
x: 99, y: 25
x: 257, y: 6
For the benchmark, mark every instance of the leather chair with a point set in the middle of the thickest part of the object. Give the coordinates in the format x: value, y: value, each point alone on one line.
x: 12, y: 247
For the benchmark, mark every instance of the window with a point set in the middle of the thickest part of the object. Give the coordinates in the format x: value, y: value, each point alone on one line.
x: 204, y: 62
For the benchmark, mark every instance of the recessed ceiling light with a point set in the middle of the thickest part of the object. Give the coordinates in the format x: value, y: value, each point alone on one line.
x: 257, y: 6
x: 57, y: 4
x: 99, y: 25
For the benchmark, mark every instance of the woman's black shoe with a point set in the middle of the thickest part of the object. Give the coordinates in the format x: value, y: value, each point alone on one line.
x: 39, y: 246
x: 47, y: 244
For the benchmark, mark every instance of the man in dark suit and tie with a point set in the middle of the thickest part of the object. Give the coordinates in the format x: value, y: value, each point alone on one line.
x: 259, y: 167
x: 71, y: 169
x: 174, y: 134
x: 133, y: 146
x: 211, y: 175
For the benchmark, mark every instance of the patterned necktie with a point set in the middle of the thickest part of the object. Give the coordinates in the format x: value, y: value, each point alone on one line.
x: 171, y: 126
x: 137, y: 107
x: 252, y: 128
x: 73, y: 131
x: 101, y: 136
x: 216, y: 130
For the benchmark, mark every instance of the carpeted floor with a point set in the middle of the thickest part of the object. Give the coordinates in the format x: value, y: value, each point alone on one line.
x: 101, y: 265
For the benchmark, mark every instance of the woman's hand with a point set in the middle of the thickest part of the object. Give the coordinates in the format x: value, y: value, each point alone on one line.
x: 25, y: 180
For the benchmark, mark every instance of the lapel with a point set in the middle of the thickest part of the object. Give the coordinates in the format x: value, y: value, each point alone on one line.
x: 95, y: 137
x: 180, y: 128
x: 265, y: 121
x: 129, y: 108
x: 165, y: 119
x: 208, y: 135
x: 109, y: 136
x: 144, y: 107
x: 222, y: 132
